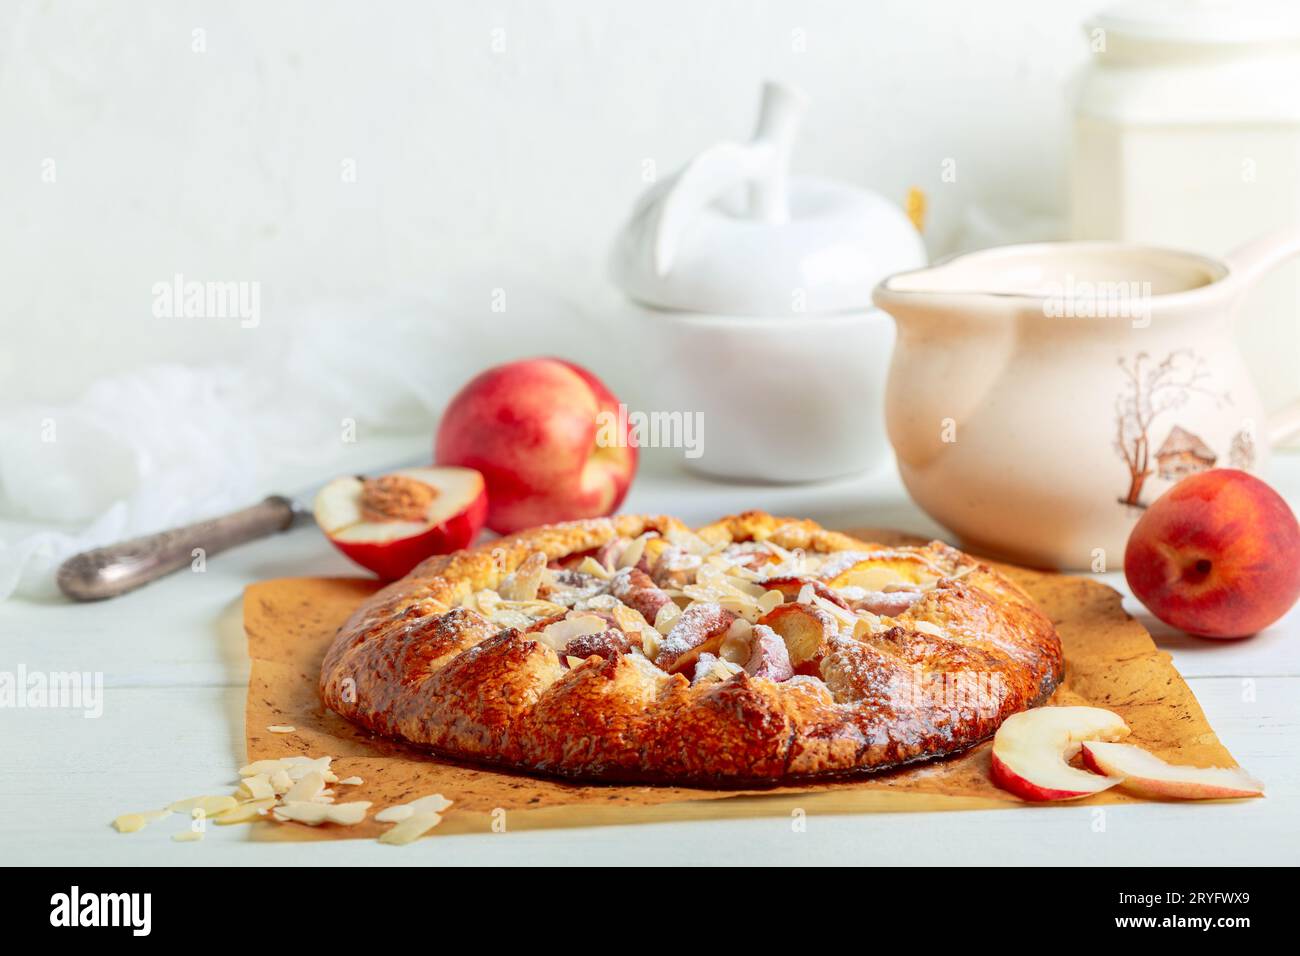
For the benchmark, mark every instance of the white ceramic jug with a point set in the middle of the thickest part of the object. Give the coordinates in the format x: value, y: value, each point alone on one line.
x: 1040, y: 396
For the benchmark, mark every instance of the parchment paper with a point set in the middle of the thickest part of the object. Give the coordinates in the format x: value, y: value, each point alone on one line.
x: 1110, y: 661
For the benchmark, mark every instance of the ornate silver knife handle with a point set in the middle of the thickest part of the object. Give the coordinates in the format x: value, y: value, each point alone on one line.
x: 116, y: 569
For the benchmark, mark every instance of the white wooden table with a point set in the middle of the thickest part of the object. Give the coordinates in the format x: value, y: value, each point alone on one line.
x: 175, y: 670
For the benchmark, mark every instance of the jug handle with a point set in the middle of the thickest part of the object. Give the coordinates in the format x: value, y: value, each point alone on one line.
x: 1248, y: 264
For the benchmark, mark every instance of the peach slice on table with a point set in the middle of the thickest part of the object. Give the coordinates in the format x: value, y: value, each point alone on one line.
x: 1031, y: 751
x: 804, y: 629
x: 1146, y: 775
x: 391, y: 523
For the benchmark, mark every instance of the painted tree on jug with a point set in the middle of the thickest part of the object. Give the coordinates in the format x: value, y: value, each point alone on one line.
x: 1151, y: 389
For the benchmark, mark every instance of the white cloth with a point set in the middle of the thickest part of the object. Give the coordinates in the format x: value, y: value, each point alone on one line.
x: 171, y: 444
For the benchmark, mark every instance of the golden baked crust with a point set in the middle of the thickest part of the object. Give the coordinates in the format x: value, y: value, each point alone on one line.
x: 857, y: 657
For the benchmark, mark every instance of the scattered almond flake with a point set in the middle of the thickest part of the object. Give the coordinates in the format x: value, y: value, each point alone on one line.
x: 604, y: 603
x: 433, y: 803
x: 533, y: 608
x: 131, y: 822
x: 410, y: 829
x: 246, y: 812
x: 559, y: 634
x: 484, y: 601
x: 631, y: 555
x: 256, y: 787
x: 666, y: 617
x: 651, y: 642
x: 628, y: 618
x: 523, y: 582
x: 590, y: 565
x: 281, y: 729
x: 846, y: 619
x: 306, y: 789
x: 299, y: 767
x: 711, y: 669
x: 736, y: 643
x: 395, y: 814
x: 351, y: 781
x: 867, y: 625
x: 925, y: 627
x: 266, y: 767
x: 188, y: 836
x: 688, y: 541
x: 770, y: 601
x: 314, y: 814
x: 281, y: 781
x: 806, y: 594
x: 746, y: 609
x: 210, y: 805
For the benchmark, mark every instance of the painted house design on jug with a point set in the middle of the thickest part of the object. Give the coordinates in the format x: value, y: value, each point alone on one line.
x: 1183, y: 454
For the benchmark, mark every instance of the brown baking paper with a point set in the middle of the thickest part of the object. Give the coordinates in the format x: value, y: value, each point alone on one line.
x: 1110, y: 661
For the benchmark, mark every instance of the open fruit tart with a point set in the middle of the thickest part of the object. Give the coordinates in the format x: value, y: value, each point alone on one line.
x: 754, y: 650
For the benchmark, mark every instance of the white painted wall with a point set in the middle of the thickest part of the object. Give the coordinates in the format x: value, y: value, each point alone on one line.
x: 474, y: 168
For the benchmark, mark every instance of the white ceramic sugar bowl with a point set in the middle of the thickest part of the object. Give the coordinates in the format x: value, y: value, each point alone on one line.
x: 752, y: 292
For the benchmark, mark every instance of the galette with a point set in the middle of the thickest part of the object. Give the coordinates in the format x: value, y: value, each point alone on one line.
x: 756, y: 650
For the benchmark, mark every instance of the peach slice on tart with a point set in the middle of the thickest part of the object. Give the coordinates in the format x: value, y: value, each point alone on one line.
x: 1146, y: 775
x: 879, y: 571
x: 806, y: 631
x: 1031, y: 751
x: 699, y: 629
x: 768, y: 655
x: 390, y: 523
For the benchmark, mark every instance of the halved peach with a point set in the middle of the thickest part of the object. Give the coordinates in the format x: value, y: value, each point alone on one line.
x: 391, y: 523
x: 1147, y: 775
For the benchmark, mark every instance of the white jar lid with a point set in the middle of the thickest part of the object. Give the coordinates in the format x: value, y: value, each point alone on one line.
x: 1210, y: 22
x: 697, y: 243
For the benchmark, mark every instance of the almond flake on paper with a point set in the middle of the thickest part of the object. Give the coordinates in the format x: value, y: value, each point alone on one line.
x: 281, y: 729
x: 246, y: 812
x: 410, y: 829
x: 433, y: 803
x: 314, y: 814
x: 306, y: 789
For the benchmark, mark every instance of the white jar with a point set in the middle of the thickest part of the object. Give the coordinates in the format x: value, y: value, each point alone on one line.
x: 1187, y: 134
x: 752, y: 293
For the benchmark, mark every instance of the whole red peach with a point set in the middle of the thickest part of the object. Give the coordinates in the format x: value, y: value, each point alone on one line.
x: 548, y: 439
x: 1217, y: 555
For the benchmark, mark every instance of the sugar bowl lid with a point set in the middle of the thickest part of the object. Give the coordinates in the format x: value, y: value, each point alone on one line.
x: 733, y: 233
